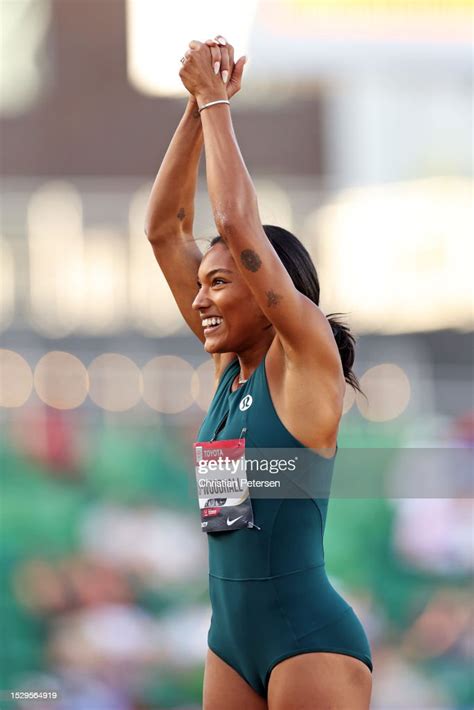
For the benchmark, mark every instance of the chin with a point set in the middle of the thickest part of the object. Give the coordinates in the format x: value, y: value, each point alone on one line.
x: 215, y: 347
x: 211, y: 347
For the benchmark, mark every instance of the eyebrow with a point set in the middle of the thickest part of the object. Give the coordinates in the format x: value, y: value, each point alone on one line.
x: 215, y: 271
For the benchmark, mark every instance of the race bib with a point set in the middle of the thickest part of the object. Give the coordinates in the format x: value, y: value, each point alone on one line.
x: 223, y: 493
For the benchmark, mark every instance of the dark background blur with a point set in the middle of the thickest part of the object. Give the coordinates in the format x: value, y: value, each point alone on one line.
x: 355, y: 122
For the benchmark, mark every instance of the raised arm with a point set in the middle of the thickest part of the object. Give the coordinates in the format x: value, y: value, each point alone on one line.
x: 170, y: 214
x: 302, y: 328
x: 170, y: 211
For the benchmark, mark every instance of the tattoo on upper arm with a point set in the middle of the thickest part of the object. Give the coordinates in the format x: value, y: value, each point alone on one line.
x: 181, y: 214
x: 251, y: 260
x: 273, y: 299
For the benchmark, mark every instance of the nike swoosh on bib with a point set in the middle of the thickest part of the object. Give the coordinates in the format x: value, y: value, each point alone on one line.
x: 231, y: 522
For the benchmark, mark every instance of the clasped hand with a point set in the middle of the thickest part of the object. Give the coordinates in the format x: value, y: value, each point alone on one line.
x: 209, y: 71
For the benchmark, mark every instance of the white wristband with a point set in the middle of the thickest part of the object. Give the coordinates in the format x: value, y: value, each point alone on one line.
x: 213, y: 103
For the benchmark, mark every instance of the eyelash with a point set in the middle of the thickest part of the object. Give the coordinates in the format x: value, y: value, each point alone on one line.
x: 199, y: 285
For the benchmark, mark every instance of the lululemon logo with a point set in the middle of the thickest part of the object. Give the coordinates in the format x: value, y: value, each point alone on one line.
x: 246, y: 403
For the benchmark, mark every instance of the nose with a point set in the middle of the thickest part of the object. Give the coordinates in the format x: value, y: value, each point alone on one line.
x: 201, y: 301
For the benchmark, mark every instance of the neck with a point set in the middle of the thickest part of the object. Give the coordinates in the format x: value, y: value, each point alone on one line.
x: 250, y: 359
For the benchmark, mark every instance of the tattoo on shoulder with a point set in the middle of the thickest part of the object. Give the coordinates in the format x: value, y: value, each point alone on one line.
x: 273, y: 299
x: 181, y: 214
x: 251, y: 260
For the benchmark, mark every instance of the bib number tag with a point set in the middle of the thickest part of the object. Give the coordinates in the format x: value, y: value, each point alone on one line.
x: 223, y: 493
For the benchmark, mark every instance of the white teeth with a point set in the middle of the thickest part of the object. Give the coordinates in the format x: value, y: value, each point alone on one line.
x: 211, y: 321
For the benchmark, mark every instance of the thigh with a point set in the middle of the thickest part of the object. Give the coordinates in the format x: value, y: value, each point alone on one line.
x: 225, y: 688
x: 320, y: 681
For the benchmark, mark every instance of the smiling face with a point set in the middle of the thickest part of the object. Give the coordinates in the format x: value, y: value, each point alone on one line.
x: 231, y: 318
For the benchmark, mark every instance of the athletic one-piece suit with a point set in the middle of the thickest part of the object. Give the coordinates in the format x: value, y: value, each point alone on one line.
x: 270, y: 595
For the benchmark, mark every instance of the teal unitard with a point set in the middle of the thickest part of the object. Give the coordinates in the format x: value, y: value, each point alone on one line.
x: 270, y: 595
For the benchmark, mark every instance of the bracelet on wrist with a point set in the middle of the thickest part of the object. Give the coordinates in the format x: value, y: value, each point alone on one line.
x: 214, y: 103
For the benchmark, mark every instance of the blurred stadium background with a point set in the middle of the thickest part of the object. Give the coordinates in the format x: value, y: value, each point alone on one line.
x: 355, y: 121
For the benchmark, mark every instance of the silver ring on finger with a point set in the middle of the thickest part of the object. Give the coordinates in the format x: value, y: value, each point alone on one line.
x: 182, y: 60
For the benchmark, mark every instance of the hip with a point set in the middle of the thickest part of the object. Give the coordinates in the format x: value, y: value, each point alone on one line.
x: 304, y: 600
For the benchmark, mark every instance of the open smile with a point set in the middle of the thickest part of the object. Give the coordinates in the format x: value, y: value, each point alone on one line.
x: 211, y: 324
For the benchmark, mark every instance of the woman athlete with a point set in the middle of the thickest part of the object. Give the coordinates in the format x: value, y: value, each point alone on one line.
x: 281, y: 637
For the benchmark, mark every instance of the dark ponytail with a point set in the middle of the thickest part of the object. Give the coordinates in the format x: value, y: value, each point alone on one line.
x: 297, y: 261
x: 345, y: 342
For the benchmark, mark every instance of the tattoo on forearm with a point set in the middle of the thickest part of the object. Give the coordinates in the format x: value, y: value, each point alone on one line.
x: 273, y: 299
x: 251, y: 260
x: 181, y: 214
x: 196, y: 113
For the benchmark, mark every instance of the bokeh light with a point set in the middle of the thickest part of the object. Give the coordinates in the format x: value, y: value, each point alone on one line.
x: 16, y: 379
x: 104, y: 284
x: 115, y: 382
x: 427, y: 237
x: 387, y: 389
x: 203, y: 383
x: 153, y: 309
x: 349, y: 399
x: 167, y: 384
x: 23, y: 75
x: 61, y: 380
x: 56, y: 258
x: 7, y: 284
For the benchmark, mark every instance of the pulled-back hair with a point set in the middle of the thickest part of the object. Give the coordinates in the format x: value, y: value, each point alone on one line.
x: 297, y: 261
